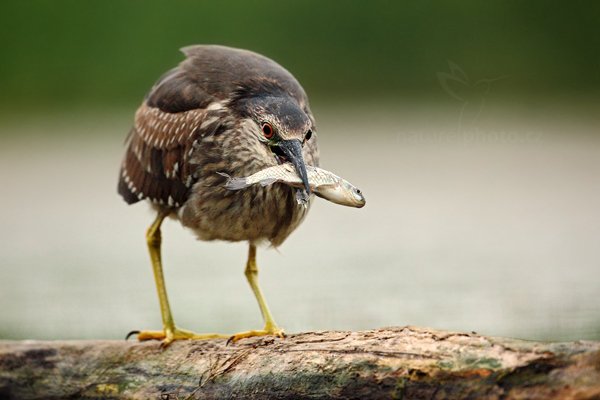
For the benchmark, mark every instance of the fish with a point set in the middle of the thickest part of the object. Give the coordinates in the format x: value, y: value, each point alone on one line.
x: 322, y: 183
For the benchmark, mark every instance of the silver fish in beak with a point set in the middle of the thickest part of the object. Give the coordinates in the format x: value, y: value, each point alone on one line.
x: 321, y: 182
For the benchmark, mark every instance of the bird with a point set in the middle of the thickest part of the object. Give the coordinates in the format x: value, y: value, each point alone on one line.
x: 222, y: 111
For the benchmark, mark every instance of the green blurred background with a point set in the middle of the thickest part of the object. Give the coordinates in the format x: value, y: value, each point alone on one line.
x: 472, y: 128
x: 107, y: 52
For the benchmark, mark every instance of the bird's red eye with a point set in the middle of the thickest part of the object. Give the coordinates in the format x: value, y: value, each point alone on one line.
x: 267, y: 130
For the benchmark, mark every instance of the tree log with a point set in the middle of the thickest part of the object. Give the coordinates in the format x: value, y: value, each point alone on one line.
x: 401, y: 363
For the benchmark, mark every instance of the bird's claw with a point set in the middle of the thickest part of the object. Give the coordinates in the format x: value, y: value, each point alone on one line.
x: 132, y: 333
x: 168, y: 336
x: 273, y: 331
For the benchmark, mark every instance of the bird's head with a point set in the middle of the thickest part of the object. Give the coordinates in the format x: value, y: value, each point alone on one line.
x: 284, y: 128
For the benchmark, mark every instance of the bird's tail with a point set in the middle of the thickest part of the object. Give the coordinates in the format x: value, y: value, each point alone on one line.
x: 234, y: 183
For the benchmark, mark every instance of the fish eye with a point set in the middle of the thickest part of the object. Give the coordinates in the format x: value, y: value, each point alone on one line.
x: 267, y: 130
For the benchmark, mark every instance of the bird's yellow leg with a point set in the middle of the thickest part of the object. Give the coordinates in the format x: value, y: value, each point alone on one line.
x: 271, y: 327
x: 170, y: 332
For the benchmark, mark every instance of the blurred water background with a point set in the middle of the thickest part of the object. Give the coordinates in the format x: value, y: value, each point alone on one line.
x: 473, y: 130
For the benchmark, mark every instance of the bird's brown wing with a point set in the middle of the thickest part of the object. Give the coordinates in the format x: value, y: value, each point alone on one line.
x: 159, y: 145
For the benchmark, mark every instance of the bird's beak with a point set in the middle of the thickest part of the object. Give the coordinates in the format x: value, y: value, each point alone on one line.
x: 293, y: 151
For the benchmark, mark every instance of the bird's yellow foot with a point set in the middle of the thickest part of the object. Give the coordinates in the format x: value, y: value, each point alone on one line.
x: 268, y: 331
x: 168, y: 336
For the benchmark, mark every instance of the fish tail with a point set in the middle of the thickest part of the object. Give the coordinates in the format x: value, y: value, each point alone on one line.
x: 234, y: 183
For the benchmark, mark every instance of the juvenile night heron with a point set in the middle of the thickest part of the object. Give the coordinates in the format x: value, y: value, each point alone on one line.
x: 222, y: 110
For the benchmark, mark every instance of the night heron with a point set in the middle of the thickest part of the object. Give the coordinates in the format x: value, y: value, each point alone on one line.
x: 221, y: 111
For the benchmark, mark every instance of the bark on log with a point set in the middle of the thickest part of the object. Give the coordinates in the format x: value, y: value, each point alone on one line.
x: 402, y: 363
